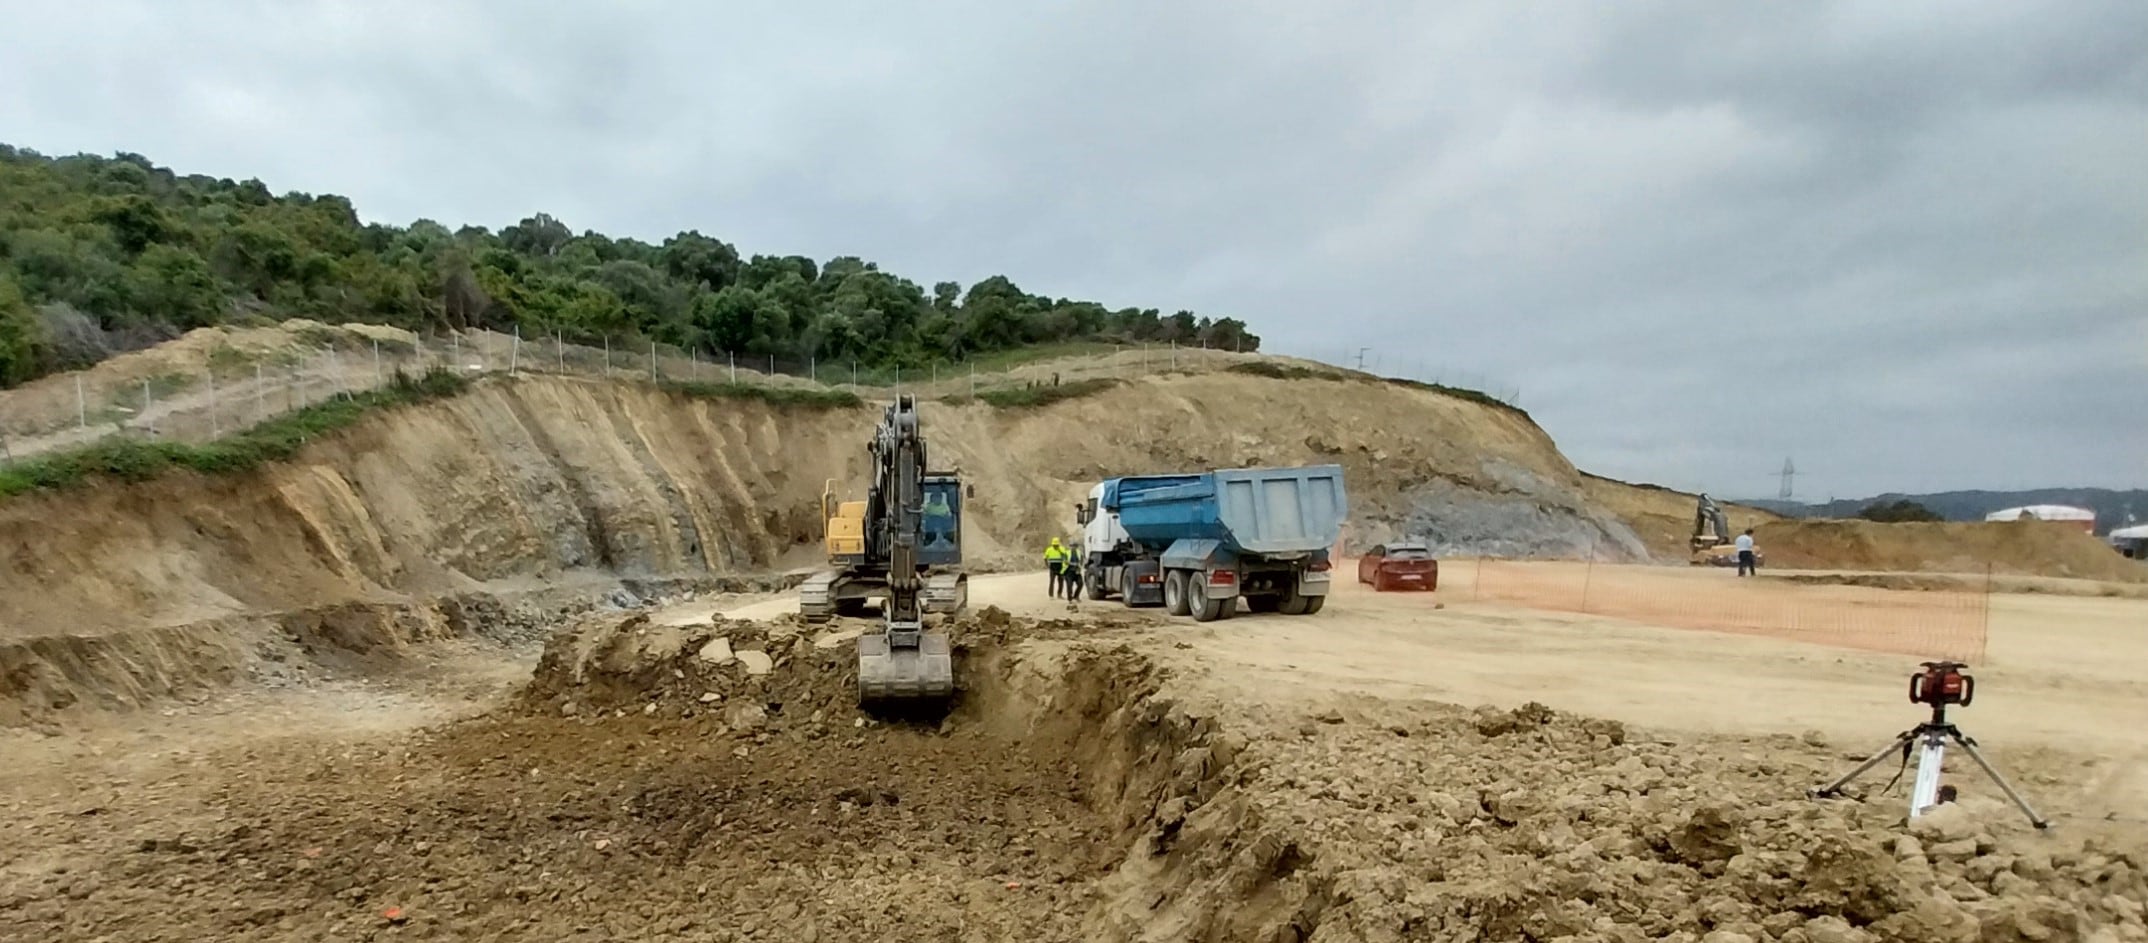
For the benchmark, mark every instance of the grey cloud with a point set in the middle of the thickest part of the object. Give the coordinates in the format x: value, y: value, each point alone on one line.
x: 1906, y: 243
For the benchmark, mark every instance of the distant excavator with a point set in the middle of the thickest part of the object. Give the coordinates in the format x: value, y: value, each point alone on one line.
x: 903, y: 543
x: 1712, y: 544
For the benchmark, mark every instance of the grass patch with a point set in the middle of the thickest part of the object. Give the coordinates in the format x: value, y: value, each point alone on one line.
x: 274, y: 440
x: 1031, y: 397
x: 1475, y: 396
x: 796, y: 397
x: 1282, y: 371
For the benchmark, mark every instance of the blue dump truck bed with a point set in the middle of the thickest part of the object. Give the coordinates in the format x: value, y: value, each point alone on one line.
x: 1247, y: 510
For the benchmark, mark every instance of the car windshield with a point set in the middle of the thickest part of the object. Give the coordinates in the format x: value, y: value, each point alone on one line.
x: 1408, y: 552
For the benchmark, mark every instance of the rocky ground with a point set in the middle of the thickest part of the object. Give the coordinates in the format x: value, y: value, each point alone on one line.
x: 713, y: 782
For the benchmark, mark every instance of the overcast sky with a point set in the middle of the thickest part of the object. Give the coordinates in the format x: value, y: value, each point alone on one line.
x: 1904, y: 243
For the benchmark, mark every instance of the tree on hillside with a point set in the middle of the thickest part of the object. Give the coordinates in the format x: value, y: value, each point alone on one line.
x: 1898, y: 512
x: 101, y: 255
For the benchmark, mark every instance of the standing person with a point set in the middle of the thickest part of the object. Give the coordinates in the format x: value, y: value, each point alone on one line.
x: 1745, y: 554
x: 1055, y: 558
x: 1070, y: 578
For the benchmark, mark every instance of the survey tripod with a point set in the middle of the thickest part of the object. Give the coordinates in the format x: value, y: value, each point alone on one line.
x: 1941, y: 684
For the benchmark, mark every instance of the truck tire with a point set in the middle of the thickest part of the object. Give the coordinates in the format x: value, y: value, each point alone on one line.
x: 1174, y: 592
x: 1203, y: 608
x: 1294, y: 604
x: 1313, y: 604
x: 1094, y: 586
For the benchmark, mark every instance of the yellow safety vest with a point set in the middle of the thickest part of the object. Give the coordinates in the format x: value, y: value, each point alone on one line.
x: 1055, y: 552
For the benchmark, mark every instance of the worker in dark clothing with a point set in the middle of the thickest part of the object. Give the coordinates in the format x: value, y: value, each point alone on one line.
x: 1070, y: 578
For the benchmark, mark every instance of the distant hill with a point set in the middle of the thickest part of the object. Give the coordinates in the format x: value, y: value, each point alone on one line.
x: 2111, y: 507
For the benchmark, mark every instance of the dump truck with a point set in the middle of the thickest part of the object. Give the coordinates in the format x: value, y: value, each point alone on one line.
x: 1197, y: 543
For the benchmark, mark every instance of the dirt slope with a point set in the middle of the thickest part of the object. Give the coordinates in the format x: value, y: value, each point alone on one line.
x: 1664, y: 518
x: 382, y: 534
x: 2022, y: 548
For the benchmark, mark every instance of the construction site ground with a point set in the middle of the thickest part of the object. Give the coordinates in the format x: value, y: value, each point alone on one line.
x: 1396, y: 767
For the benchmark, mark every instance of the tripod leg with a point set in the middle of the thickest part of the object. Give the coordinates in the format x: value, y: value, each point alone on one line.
x: 2023, y: 804
x: 1872, y: 761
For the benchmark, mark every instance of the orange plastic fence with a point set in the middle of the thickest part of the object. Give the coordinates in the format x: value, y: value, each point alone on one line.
x: 1928, y: 623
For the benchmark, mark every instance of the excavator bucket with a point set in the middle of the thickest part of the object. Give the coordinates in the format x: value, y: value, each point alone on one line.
x: 897, y: 667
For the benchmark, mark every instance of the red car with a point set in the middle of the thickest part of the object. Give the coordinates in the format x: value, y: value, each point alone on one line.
x: 1406, y: 565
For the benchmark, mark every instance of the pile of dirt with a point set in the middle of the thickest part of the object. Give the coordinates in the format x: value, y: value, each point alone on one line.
x: 1441, y: 823
x: 2019, y: 548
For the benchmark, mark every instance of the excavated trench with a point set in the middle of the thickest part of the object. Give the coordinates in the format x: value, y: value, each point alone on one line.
x: 697, y: 783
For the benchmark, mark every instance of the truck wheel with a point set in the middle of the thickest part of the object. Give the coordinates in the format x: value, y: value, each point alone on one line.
x: 1313, y: 604
x: 1294, y: 604
x: 1205, y: 609
x: 1174, y: 592
x: 1094, y: 588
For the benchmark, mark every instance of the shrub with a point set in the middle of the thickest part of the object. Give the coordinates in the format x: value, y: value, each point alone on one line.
x: 274, y: 440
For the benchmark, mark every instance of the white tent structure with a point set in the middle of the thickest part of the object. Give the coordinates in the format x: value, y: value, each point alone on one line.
x: 2047, y: 512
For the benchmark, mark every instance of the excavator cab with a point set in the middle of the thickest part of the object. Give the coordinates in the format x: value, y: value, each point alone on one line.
x: 940, y: 537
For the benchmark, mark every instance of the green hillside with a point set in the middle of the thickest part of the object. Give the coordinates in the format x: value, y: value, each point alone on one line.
x: 101, y: 255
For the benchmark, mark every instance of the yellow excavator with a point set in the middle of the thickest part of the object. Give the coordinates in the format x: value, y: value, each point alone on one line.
x: 902, y: 544
x: 1711, y: 542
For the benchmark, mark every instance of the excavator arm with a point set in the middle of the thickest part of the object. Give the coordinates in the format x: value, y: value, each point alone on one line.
x: 902, y: 661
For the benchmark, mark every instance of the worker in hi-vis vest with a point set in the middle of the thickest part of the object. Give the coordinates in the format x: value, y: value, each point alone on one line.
x: 1055, y: 558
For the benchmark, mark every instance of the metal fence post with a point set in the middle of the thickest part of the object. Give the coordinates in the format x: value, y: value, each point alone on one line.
x: 652, y: 361
x: 216, y: 430
x: 81, y: 403
x: 148, y: 422
x: 732, y: 356
x: 559, y: 346
x: 607, y: 356
x: 455, y: 352
x: 973, y: 378
x: 514, y: 354
x: 813, y: 368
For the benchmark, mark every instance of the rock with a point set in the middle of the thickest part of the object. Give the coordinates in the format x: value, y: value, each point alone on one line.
x: 1950, y: 822
x: 649, y: 708
x: 1907, y: 847
x: 756, y: 662
x: 569, y: 709
x: 717, y: 652
x: 1832, y: 929
x: 710, y: 697
x: 742, y: 716
x: 1728, y: 936
x: 1958, y: 850
x: 1814, y: 739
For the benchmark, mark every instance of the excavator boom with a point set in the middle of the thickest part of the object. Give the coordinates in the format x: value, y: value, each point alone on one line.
x: 903, y: 661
